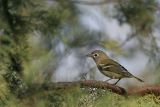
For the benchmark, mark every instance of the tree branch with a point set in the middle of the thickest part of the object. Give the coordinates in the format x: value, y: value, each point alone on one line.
x: 92, y: 3
x: 145, y: 90
x: 106, y: 86
x: 7, y: 15
x: 101, y: 2
x: 84, y: 2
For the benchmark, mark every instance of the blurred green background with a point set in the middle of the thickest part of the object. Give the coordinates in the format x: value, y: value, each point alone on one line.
x: 45, y: 41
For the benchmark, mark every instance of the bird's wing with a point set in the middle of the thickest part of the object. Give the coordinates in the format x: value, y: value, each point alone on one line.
x: 112, y: 66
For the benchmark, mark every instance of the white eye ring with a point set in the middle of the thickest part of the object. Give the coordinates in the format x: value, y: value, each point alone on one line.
x: 95, y: 55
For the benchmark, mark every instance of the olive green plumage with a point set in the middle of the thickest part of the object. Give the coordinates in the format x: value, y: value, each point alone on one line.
x: 109, y: 67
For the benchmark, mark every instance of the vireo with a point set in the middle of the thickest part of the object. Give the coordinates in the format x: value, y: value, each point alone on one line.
x: 109, y: 67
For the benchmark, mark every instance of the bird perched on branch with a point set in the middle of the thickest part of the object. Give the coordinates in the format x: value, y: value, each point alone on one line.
x: 109, y: 67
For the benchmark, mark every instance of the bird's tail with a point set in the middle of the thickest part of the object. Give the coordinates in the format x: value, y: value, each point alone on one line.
x: 138, y: 79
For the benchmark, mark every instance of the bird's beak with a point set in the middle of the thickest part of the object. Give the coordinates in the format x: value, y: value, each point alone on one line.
x: 89, y: 55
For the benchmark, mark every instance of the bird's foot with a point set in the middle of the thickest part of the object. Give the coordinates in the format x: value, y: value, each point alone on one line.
x: 108, y: 80
x: 116, y: 82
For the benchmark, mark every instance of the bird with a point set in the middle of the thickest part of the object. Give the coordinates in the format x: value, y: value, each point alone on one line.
x: 109, y: 67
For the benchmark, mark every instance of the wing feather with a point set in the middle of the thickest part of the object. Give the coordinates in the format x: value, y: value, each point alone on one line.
x: 113, y: 66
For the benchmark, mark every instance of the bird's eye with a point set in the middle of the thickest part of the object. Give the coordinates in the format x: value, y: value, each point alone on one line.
x: 95, y: 55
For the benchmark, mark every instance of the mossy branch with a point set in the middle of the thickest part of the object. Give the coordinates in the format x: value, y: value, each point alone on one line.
x: 106, y: 86
x: 145, y: 90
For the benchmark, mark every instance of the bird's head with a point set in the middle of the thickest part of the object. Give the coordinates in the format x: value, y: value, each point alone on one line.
x: 98, y: 55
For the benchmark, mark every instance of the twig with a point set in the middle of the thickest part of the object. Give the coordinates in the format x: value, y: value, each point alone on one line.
x: 130, y: 37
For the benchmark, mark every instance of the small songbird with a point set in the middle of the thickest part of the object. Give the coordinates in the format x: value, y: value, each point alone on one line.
x: 109, y: 67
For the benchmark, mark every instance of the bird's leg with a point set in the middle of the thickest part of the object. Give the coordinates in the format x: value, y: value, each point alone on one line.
x: 108, y: 80
x: 117, y: 81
